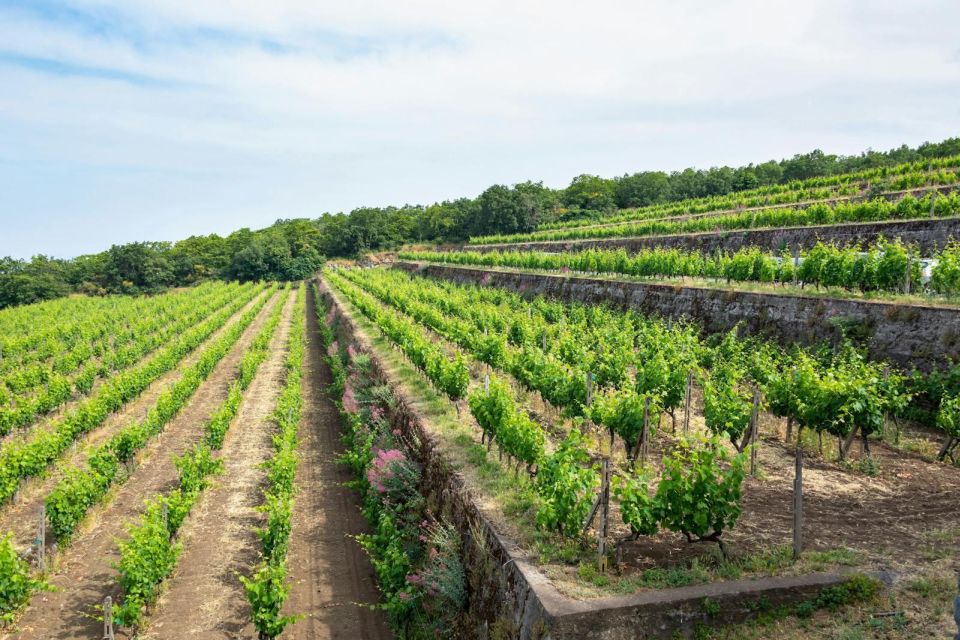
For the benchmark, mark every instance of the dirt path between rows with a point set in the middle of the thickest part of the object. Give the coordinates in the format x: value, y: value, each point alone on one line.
x: 21, y: 518
x: 204, y: 598
x: 331, y: 577
x: 84, y: 572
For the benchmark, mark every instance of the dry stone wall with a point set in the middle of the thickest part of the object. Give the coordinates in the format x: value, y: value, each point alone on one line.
x: 910, y: 336
x: 929, y: 235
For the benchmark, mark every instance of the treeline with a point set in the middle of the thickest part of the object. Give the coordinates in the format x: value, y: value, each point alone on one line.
x: 288, y: 250
x: 504, y: 210
x: 292, y: 249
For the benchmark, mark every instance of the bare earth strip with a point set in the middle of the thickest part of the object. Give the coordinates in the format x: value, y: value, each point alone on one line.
x: 205, y: 599
x: 21, y: 518
x: 85, y: 573
x: 331, y: 576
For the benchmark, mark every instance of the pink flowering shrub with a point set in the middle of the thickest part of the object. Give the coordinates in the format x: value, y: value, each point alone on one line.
x: 388, y: 467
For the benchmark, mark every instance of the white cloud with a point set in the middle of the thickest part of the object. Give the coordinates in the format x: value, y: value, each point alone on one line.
x: 203, y: 116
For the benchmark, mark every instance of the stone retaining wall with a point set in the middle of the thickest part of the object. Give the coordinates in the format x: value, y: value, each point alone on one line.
x: 931, y: 235
x: 910, y: 336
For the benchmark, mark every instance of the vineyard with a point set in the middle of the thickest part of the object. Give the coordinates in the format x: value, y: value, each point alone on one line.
x: 623, y: 452
x: 427, y: 448
x: 693, y: 438
x: 152, y: 466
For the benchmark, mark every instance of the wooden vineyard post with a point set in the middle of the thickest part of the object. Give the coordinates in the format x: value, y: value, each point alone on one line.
x: 484, y: 436
x: 906, y: 277
x: 589, y: 388
x: 798, y: 505
x: 108, y: 618
x: 604, y: 514
x: 543, y: 342
x: 933, y: 203
x: 42, y: 538
x: 686, y: 402
x: 644, y: 432
x: 165, y: 514
x: 754, y: 428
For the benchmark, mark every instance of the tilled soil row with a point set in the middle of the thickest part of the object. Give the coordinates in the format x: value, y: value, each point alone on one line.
x: 332, y: 580
x: 204, y: 599
x: 84, y: 573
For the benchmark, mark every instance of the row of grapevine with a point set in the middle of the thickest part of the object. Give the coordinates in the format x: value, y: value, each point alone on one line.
x: 140, y: 338
x: 30, y: 456
x: 496, y: 411
x: 561, y: 377
x: 38, y: 332
x: 851, y: 393
x: 884, y: 266
x: 49, y: 333
x: 266, y: 589
x: 800, y: 193
x: 103, y: 336
x: 494, y: 408
x: 701, y: 485
x: 908, y: 207
x: 149, y: 555
x: 81, y: 488
x: 450, y: 375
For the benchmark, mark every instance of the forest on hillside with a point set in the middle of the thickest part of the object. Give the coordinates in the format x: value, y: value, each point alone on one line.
x: 294, y: 249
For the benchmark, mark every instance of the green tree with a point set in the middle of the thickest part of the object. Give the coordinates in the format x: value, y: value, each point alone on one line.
x: 591, y: 193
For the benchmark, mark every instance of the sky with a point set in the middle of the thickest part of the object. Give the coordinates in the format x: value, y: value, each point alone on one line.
x: 159, y: 119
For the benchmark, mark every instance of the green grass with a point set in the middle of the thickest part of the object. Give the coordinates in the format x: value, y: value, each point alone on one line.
x: 917, y: 609
x: 711, y: 567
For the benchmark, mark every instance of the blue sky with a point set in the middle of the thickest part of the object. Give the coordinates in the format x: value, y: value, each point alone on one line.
x: 156, y: 120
